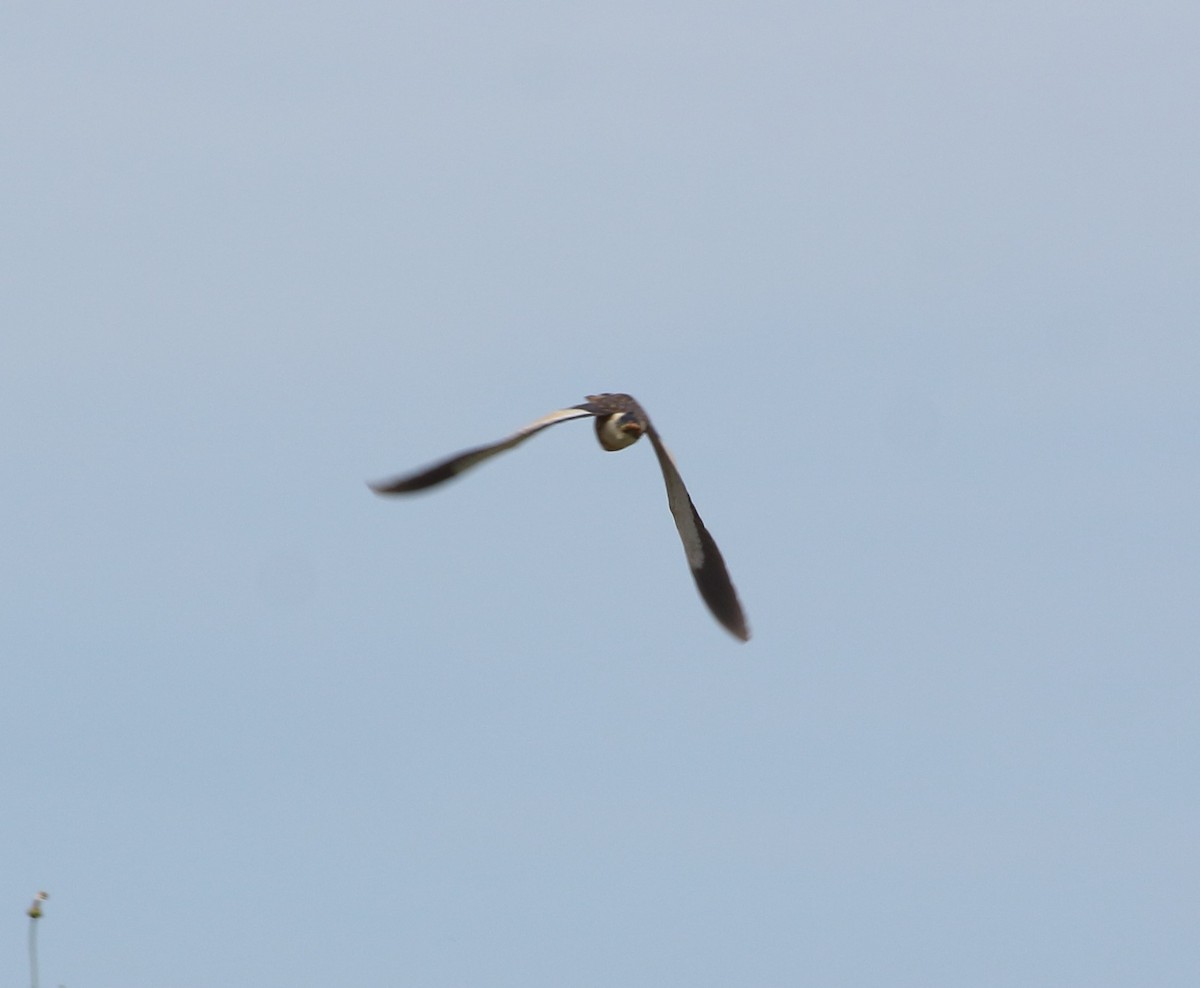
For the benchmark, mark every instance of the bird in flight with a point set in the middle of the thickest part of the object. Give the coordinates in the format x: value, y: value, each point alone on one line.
x: 620, y: 422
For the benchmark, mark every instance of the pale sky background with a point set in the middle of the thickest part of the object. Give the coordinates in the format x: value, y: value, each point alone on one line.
x: 911, y: 291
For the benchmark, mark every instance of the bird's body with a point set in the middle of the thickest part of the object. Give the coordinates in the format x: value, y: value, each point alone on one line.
x: 620, y: 422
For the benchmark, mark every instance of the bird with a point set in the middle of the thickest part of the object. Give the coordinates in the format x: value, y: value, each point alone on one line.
x: 35, y: 910
x: 619, y: 422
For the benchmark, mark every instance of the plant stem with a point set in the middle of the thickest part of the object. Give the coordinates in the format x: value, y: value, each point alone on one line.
x: 33, y: 961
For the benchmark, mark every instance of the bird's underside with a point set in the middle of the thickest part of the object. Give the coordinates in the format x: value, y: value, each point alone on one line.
x: 619, y: 422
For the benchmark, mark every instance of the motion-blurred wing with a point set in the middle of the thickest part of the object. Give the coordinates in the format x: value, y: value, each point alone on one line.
x: 703, y: 556
x: 452, y: 467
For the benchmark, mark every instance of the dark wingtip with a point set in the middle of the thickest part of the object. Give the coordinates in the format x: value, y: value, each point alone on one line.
x: 715, y: 586
x: 384, y: 488
x: 717, y: 590
x: 734, y: 622
x: 417, y: 482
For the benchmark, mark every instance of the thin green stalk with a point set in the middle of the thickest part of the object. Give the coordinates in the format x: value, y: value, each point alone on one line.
x: 33, y: 964
x: 34, y: 912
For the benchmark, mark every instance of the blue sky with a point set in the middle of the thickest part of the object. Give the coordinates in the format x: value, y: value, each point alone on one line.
x: 911, y: 294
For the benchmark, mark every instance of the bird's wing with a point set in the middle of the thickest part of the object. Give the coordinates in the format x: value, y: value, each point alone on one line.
x: 703, y: 556
x: 446, y: 469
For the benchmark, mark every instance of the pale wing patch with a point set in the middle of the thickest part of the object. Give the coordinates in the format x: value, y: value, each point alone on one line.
x: 680, y: 504
x: 562, y: 415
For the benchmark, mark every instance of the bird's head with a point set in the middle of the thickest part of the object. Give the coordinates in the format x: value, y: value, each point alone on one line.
x: 619, y: 430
